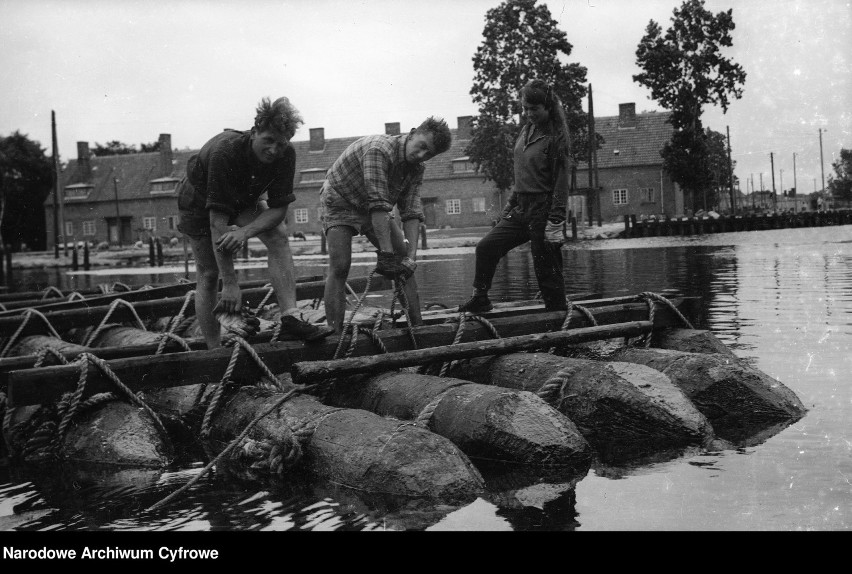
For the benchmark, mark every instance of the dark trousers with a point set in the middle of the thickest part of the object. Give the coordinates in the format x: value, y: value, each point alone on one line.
x: 524, y: 223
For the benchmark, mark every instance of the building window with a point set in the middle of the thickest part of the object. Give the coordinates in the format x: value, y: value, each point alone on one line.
x: 88, y: 228
x: 149, y: 223
x: 77, y: 191
x: 463, y: 165
x: 164, y: 185
x: 69, y: 229
x: 315, y: 175
x: 478, y: 204
x: 171, y: 222
x: 619, y: 196
x: 301, y: 215
x: 453, y: 206
x: 646, y: 195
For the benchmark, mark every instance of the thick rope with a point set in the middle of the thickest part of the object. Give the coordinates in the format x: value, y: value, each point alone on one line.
x: 50, y: 290
x: 112, y: 307
x: 175, y: 322
x: 76, y: 296
x: 652, y: 298
x: 164, y: 337
x: 28, y: 314
x: 456, y: 341
x: 426, y: 413
x: 266, y: 298
x: 42, y: 354
x: 230, y: 446
x: 553, y: 389
x: 75, y: 397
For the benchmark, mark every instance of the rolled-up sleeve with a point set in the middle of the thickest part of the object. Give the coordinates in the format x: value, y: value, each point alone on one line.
x: 221, y: 192
x: 375, y: 165
x: 409, y: 204
x: 280, y: 193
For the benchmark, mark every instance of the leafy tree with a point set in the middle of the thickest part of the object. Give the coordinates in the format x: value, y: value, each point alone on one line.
x: 26, y: 178
x: 149, y: 147
x: 521, y: 43
x: 840, y: 184
x: 113, y: 147
x: 685, y: 70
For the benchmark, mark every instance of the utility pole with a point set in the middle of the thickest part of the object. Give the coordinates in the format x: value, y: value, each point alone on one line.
x: 774, y: 197
x: 590, y: 196
x: 58, y: 199
x: 781, y: 175
x: 752, y: 191
x: 117, y: 216
x: 730, y: 173
x: 821, y: 162
x: 796, y: 196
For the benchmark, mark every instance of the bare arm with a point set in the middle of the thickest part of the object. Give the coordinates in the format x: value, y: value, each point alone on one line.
x: 381, y: 227
x: 411, y: 228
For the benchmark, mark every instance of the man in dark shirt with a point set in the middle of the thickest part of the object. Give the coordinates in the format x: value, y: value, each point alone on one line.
x: 221, y: 205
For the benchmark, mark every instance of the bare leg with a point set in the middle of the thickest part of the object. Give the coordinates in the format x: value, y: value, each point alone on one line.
x: 282, y: 270
x: 207, y: 277
x: 339, y: 242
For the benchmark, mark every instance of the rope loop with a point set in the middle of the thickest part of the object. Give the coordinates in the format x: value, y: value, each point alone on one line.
x: 426, y: 413
x: 553, y: 389
x: 27, y: 315
x: 112, y: 307
x: 76, y: 296
x: 51, y: 289
x: 42, y: 354
x: 651, y: 299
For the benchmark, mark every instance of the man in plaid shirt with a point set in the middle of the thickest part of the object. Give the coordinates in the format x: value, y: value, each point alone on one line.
x: 371, y: 177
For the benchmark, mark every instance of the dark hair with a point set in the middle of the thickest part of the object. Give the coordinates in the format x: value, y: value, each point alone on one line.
x: 539, y: 92
x: 440, y: 131
x: 280, y: 116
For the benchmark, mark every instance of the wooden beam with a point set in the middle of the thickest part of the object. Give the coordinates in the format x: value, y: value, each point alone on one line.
x: 312, y: 371
x: 35, y: 386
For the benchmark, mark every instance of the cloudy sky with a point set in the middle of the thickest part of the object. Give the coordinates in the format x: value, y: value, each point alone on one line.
x: 129, y: 70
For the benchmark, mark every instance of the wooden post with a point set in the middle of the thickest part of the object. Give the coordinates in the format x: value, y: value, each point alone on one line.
x: 85, y: 255
x: 74, y: 257
x: 323, y: 247
x: 573, y: 227
x: 185, y: 258
x: 633, y: 226
x: 151, y: 258
x: 423, y: 236
x: 245, y: 250
x: 626, y: 226
x: 159, y: 253
x: 2, y: 266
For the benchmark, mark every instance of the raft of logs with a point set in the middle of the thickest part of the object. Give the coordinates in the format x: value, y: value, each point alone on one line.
x: 426, y: 412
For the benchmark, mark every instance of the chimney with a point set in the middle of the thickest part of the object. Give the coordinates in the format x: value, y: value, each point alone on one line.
x: 317, y: 139
x: 166, y: 157
x: 627, y: 115
x: 463, y: 132
x: 84, y: 165
x: 392, y: 129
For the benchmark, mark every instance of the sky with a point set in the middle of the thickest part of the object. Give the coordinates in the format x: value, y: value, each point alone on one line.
x: 130, y: 70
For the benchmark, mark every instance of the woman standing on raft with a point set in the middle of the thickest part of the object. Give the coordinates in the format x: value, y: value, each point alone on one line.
x: 536, y: 210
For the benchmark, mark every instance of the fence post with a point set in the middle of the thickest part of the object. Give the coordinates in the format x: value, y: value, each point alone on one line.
x: 151, y: 260
x: 185, y: 258
x: 626, y: 225
x: 423, y: 236
x: 245, y: 250
x: 3, y: 266
x: 159, y: 253
x: 573, y: 227
x: 85, y: 255
x: 323, y: 247
x: 75, y: 265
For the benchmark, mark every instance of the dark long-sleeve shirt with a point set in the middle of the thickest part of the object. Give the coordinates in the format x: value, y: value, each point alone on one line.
x: 539, y: 168
x: 228, y: 177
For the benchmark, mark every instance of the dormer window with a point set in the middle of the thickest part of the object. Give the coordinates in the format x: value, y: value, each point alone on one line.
x: 463, y: 165
x: 313, y: 175
x: 163, y: 185
x: 78, y: 191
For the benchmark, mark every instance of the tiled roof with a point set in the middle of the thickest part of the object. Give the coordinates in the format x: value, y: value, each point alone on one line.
x: 636, y: 146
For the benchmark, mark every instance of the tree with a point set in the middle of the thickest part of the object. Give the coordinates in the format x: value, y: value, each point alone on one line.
x: 149, y: 147
x: 521, y: 42
x: 113, y: 147
x: 686, y: 70
x: 840, y: 184
x: 26, y: 178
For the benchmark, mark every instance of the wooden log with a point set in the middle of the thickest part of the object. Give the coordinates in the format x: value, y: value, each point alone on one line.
x: 64, y: 320
x: 152, y: 294
x: 620, y: 408
x: 312, y: 371
x: 32, y: 386
x: 29, y: 346
x: 485, y: 422
x: 690, y: 341
x: 734, y: 397
x: 349, y: 447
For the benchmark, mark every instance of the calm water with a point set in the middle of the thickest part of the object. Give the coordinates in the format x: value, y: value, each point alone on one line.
x: 781, y: 299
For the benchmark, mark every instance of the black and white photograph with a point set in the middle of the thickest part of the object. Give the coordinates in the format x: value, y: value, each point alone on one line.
x: 394, y: 265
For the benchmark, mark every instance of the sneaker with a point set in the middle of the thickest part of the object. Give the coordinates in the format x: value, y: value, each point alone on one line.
x: 477, y: 304
x: 294, y: 328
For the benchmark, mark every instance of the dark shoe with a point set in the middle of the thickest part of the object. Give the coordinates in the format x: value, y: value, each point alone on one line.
x: 477, y: 304
x: 294, y: 328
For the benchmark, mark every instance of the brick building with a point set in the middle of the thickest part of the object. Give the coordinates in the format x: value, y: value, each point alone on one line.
x: 134, y: 195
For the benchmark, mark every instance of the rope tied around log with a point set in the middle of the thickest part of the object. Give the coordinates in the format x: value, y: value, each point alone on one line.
x: 76, y: 296
x: 651, y: 299
x: 112, y: 307
x: 553, y: 389
x: 28, y: 314
x: 51, y: 289
x: 74, y: 401
x: 176, y: 321
x: 266, y: 298
x: 569, y: 313
x: 426, y: 413
x: 239, y: 344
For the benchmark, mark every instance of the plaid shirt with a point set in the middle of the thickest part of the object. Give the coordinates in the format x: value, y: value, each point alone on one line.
x: 372, y: 174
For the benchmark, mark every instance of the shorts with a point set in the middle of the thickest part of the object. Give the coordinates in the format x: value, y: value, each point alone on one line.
x: 194, y: 218
x: 337, y: 211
